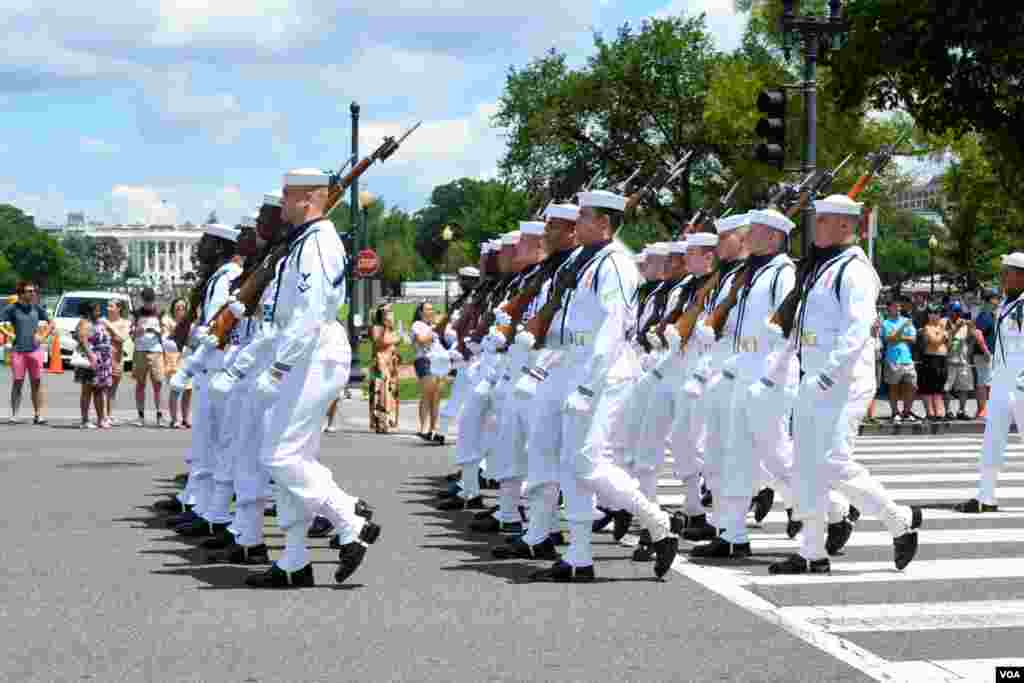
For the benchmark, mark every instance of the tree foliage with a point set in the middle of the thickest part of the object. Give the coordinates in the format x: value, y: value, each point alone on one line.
x: 110, y: 255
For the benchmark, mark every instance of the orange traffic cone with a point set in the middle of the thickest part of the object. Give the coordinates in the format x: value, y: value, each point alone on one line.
x: 56, y: 362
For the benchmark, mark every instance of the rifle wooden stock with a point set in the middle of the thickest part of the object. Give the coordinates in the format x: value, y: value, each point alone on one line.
x: 687, y: 322
x: 720, y: 314
x: 540, y: 324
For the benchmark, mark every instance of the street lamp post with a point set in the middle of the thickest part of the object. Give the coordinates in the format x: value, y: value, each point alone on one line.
x: 933, y: 244
x: 366, y: 199
x: 816, y: 35
x: 447, y: 234
x: 355, y: 375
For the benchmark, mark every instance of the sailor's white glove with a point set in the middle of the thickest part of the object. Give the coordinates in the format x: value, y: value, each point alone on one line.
x: 704, y: 334
x: 694, y: 385
x: 653, y: 339
x: 237, y: 309
x: 489, y: 344
x: 580, y: 402
x: 224, y: 381
x: 675, y: 342
x: 772, y: 328
x: 822, y: 381
x: 501, y: 317
x: 473, y: 347
x: 210, y: 341
x: 268, y: 386
x: 194, y: 339
x: 526, y: 340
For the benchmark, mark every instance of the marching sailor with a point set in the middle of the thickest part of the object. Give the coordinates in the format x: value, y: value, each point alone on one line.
x: 508, y: 457
x: 1007, y: 386
x: 219, y: 243
x: 751, y: 442
x: 597, y: 318
x: 541, y: 385
x: 832, y: 337
x: 309, y: 363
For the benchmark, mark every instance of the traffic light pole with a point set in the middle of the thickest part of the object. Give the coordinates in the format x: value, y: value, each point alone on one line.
x: 810, y: 157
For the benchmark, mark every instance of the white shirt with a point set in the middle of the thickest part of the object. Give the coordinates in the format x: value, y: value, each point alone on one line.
x: 421, y: 329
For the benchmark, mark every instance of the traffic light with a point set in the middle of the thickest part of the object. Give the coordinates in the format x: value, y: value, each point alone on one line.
x: 772, y: 127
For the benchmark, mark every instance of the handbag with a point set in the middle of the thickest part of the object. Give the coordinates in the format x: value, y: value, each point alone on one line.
x: 78, y: 361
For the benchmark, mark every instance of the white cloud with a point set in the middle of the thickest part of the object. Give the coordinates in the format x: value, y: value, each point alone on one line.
x: 724, y: 23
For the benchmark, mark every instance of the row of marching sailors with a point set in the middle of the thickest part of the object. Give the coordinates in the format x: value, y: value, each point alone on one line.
x: 262, y: 395
x: 685, y: 359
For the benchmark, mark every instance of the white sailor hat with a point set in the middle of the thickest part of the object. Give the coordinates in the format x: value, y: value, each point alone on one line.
x: 306, y: 177
x: 658, y: 249
x: 469, y: 271
x: 838, y: 204
x: 1014, y: 260
x: 701, y: 239
x: 223, y: 231
x: 602, y: 199
x: 731, y: 223
x: 272, y: 199
x: 677, y: 247
x: 485, y: 248
x: 773, y: 219
x: 567, y: 212
x: 535, y: 228
x: 510, y: 239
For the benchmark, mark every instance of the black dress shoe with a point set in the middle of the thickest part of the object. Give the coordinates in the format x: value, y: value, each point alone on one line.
x: 462, y: 504
x: 519, y: 549
x: 665, y: 552
x: 275, y: 577
x: 563, y: 572
x: 794, y: 526
x: 320, y: 528
x: 181, y: 479
x: 200, y: 528
x: 794, y: 564
x: 600, y: 525
x: 762, y: 504
x: 454, y: 476
x: 838, y: 535
x: 904, y: 548
x: 270, y: 511
x: 720, y: 549
x: 700, y: 532
x: 707, y: 499
x: 853, y: 514
x: 240, y: 554
x: 184, y: 518
x: 558, y: 538
x: 644, y: 551
x: 364, y: 510
x: 426, y: 436
x: 623, y: 520
x: 222, y: 540
x: 491, y: 525
x: 439, y: 439
x: 169, y: 506
x: 680, y: 522
x: 486, y: 513
x: 916, y: 517
x: 351, y: 555
x: 974, y: 507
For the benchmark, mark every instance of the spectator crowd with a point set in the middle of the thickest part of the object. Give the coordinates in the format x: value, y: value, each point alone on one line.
x: 938, y: 353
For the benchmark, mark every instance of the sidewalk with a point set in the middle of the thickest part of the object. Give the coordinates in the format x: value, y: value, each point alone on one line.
x: 885, y: 425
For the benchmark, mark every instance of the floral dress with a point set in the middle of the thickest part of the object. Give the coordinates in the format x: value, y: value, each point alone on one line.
x: 102, y: 373
x: 384, y: 383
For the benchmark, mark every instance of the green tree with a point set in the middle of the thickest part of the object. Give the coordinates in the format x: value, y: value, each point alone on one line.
x: 40, y: 258
x: 8, y: 276
x: 13, y: 224
x: 902, y: 246
x: 110, y: 255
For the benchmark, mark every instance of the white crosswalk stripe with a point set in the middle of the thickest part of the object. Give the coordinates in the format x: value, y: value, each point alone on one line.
x: 965, y: 566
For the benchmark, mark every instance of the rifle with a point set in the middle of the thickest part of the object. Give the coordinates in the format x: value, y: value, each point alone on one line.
x: 819, y: 182
x: 471, y: 313
x: 540, y: 324
x: 339, y: 184
x: 442, y: 324
x: 517, y: 305
x: 785, y: 314
x: 251, y: 291
x: 724, y: 204
x: 659, y: 180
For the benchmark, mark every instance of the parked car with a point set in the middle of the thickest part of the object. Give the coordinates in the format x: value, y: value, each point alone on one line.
x: 68, y: 313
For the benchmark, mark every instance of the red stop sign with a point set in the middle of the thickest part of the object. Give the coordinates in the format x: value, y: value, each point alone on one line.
x: 367, y: 263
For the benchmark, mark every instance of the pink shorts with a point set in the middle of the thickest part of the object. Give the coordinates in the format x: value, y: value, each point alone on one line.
x: 32, y: 361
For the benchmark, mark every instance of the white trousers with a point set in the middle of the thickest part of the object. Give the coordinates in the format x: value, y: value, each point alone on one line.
x: 290, y: 452
x: 825, y: 427
x: 1004, y: 402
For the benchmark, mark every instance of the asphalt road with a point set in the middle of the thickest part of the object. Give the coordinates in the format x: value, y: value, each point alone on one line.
x: 94, y: 588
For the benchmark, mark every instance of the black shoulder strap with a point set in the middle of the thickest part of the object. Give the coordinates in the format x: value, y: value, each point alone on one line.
x: 839, y: 276
x: 775, y: 280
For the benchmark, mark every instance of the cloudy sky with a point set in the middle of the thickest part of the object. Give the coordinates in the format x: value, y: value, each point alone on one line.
x: 167, y: 109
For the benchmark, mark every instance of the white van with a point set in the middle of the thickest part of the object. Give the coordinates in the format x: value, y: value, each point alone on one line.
x: 68, y: 313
